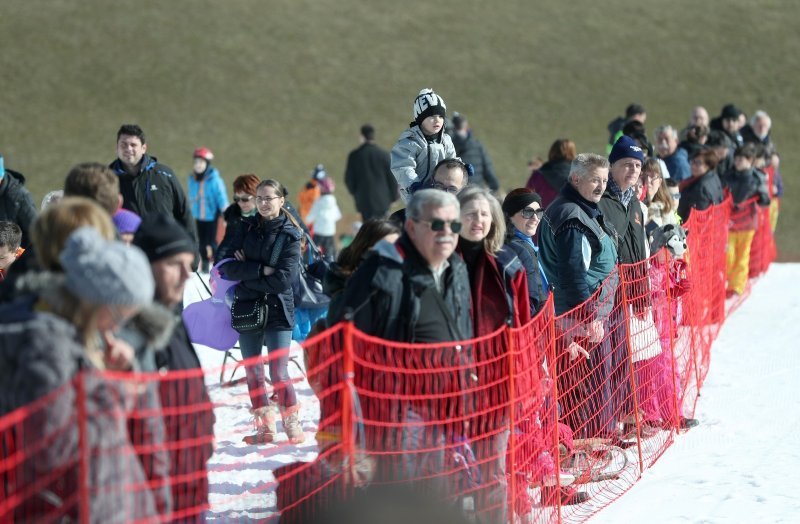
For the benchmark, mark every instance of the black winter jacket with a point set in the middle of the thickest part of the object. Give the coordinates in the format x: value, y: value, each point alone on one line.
x: 256, y: 237
x: 369, y: 179
x: 191, y: 425
x: 154, y: 190
x: 628, y: 226
x: 700, y: 193
x: 471, y: 151
x: 16, y: 203
x: 383, y: 295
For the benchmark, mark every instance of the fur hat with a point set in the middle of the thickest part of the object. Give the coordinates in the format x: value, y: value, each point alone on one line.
x: 160, y: 236
x: 102, y: 272
x: 427, y: 104
x: 626, y: 147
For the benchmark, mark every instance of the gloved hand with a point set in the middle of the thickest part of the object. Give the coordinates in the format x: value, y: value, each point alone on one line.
x: 413, y: 188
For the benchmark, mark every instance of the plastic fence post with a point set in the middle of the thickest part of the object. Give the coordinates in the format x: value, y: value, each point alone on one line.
x: 551, y: 365
x: 83, y: 454
x: 512, y: 439
x: 672, y: 336
x: 626, y: 312
x: 348, y: 437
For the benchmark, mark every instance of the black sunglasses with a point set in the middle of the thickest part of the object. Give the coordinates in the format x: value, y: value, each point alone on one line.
x: 242, y: 199
x: 437, y: 224
x: 529, y: 213
x: 450, y: 189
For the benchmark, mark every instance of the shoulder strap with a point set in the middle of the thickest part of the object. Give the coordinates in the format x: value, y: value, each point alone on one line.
x: 277, y: 248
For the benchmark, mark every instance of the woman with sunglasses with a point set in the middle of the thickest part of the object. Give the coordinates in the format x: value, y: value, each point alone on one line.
x: 523, y: 210
x: 266, y: 249
x: 499, y: 291
x: 244, y: 200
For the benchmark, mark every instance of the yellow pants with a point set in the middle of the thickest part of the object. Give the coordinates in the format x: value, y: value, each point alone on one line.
x: 774, y: 211
x: 739, y: 259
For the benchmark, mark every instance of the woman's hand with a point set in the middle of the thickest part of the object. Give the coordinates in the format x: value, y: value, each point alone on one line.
x: 239, y: 255
x: 118, y: 355
x: 268, y: 271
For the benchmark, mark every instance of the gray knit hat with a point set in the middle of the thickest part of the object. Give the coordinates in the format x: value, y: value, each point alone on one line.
x: 103, y: 272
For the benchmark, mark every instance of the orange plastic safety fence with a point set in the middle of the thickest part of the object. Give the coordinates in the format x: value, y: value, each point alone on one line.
x: 547, y: 422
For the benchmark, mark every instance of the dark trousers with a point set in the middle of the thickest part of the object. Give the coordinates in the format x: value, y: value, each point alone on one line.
x: 207, y: 237
x: 326, y: 244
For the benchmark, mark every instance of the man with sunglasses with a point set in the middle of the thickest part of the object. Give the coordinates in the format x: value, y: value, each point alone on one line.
x: 450, y: 175
x: 415, y: 290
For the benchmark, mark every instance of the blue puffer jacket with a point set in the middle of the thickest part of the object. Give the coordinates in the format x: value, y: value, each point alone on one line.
x: 211, y: 192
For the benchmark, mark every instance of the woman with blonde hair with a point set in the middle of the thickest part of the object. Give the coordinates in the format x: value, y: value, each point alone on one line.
x: 66, y: 320
x: 499, y: 289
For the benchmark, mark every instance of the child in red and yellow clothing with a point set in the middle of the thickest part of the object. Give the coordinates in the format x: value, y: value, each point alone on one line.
x: 748, y: 188
x: 10, y: 250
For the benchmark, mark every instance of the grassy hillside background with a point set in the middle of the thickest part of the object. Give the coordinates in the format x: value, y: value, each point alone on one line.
x: 275, y: 87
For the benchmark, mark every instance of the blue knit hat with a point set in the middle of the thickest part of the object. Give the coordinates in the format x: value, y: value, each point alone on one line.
x: 626, y: 147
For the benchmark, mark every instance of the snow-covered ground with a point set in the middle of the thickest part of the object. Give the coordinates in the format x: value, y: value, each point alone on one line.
x: 739, y: 465
x: 742, y: 463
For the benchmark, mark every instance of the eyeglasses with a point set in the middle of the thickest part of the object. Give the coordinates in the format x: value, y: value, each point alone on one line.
x: 450, y: 189
x: 242, y: 199
x: 437, y: 224
x: 264, y: 200
x: 529, y: 213
x: 652, y: 176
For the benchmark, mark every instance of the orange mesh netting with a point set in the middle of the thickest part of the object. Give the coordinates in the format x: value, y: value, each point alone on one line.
x: 490, y: 427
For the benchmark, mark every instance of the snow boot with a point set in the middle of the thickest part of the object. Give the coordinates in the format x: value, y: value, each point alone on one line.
x: 266, y: 427
x: 567, y: 495
x: 291, y: 424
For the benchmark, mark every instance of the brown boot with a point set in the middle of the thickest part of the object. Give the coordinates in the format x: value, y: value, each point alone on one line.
x: 266, y: 427
x: 291, y: 424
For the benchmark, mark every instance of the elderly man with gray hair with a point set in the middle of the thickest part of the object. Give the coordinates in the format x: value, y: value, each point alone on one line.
x: 758, y: 130
x: 415, y: 290
x: 424, y: 259
x: 578, y: 255
x: 675, y: 158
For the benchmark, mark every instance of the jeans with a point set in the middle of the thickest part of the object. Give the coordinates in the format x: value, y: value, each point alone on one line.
x: 251, y: 344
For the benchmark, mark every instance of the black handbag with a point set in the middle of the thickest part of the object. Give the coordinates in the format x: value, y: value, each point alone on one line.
x: 308, y: 291
x: 250, y: 314
x: 307, y: 288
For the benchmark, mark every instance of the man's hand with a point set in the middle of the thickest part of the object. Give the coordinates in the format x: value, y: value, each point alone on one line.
x: 595, y: 331
x: 575, y: 350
